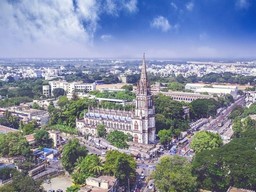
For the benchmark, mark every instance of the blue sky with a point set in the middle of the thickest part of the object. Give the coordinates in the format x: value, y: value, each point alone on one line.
x: 127, y: 28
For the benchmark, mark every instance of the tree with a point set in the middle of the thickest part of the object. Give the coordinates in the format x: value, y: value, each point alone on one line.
x: 71, y: 152
x: 174, y: 173
x: 89, y: 166
x: 164, y: 136
x: 118, y: 139
x: 241, y: 125
x: 127, y: 87
x: 203, y: 108
x: 28, y: 128
x: 121, y: 165
x: 101, y: 130
x: 22, y: 183
x: 73, y: 188
x: 63, y: 100
x: 36, y: 106
x: 58, y: 92
x: 205, y: 140
x: 13, y: 144
x: 229, y: 165
x: 175, y: 86
x: 42, y: 138
x: 9, y: 120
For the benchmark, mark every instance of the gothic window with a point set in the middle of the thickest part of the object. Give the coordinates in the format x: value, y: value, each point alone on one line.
x: 136, y: 126
x: 136, y: 139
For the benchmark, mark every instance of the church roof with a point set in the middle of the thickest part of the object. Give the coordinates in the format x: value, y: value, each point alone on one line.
x: 102, y: 116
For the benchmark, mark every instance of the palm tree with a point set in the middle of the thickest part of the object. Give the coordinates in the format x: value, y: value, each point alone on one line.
x: 97, y: 169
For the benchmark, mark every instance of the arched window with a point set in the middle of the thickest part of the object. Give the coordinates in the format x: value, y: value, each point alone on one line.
x: 135, y: 138
x: 136, y: 127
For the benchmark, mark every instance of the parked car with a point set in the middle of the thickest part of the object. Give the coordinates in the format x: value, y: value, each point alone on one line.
x: 151, y: 186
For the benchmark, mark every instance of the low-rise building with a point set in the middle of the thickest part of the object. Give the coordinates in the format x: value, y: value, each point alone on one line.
x: 212, y: 89
x: 26, y: 114
x: 73, y: 87
x: 5, y: 129
x: 100, y: 184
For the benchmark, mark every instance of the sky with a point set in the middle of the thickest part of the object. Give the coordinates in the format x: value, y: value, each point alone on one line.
x: 127, y: 28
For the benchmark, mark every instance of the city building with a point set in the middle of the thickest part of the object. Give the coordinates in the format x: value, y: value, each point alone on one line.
x: 26, y: 114
x: 184, y: 96
x: 140, y: 123
x: 5, y: 129
x: 73, y: 87
x: 212, y: 89
x: 46, y: 90
x: 101, y: 184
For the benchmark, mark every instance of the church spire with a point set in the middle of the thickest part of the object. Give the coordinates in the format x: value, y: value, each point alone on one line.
x: 143, y: 75
x: 143, y: 84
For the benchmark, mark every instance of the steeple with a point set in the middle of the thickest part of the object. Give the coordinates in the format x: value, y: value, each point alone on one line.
x: 143, y: 75
x: 143, y: 86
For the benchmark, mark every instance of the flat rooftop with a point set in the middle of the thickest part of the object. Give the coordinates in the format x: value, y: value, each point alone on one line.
x: 4, y: 129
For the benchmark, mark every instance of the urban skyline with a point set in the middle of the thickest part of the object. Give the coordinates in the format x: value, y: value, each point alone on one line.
x: 127, y: 28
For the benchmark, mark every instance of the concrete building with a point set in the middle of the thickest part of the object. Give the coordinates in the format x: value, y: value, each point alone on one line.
x: 184, y: 96
x: 56, y: 137
x: 46, y: 90
x: 100, y: 184
x: 140, y: 123
x: 27, y: 114
x: 5, y: 129
x: 73, y: 87
x: 212, y: 89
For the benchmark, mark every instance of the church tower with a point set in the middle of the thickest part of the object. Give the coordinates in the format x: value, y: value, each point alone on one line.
x: 144, y: 119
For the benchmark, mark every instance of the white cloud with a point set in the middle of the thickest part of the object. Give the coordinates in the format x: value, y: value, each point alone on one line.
x: 131, y: 6
x: 114, y: 7
x: 190, y: 6
x: 242, y: 4
x: 161, y: 23
x: 58, y: 24
x: 174, y: 5
x: 106, y: 37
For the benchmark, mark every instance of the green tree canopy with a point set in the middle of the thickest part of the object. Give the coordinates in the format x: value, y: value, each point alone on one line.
x: 42, y: 138
x: 101, y: 130
x: 22, y: 183
x: 13, y: 144
x: 232, y: 164
x: 28, y: 128
x: 58, y: 92
x: 203, y: 108
x: 121, y: 165
x: 175, y: 86
x: 89, y: 166
x: 62, y: 101
x: 71, y: 152
x: 173, y: 173
x: 118, y: 139
x: 164, y: 136
x: 205, y: 140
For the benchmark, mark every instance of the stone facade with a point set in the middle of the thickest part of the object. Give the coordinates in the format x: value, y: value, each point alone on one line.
x: 140, y: 123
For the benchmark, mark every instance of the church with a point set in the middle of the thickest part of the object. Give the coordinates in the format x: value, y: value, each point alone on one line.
x: 140, y: 122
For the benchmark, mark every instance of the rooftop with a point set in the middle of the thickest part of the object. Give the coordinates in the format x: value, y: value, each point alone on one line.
x: 5, y: 129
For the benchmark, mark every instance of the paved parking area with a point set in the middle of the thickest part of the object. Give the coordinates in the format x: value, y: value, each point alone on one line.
x: 60, y: 182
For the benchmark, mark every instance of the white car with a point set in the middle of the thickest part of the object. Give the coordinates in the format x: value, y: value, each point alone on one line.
x: 151, y: 186
x: 142, y: 176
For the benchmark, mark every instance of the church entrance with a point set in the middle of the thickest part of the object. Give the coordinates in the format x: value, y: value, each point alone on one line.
x: 136, y: 139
